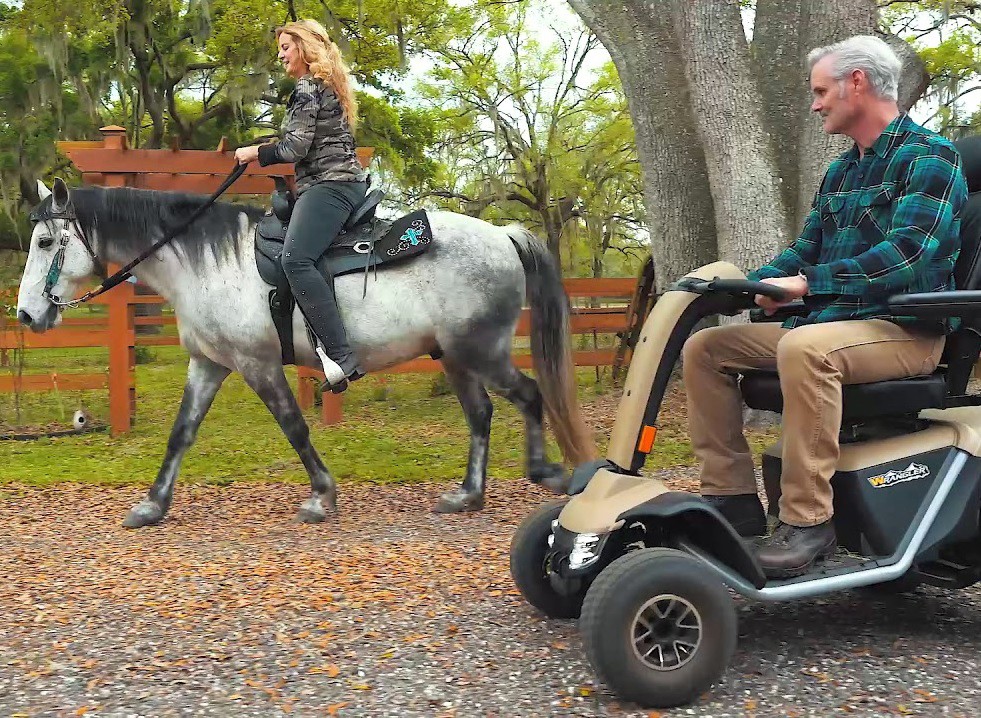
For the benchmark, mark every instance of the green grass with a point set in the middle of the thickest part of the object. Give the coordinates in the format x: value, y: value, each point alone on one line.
x: 409, y: 435
x: 399, y: 432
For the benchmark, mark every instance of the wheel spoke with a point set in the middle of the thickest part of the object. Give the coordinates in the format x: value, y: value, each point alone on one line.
x: 679, y: 620
x: 666, y: 612
x: 677, y: 653
x: 643, y: 637
x: 660, y: 654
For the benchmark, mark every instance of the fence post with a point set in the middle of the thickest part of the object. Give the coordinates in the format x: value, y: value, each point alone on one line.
x: 304, y: 389
x: 122, y: 359
x: 332, y: 409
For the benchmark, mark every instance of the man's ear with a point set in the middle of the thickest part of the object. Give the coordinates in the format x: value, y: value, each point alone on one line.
x: 59, y: 196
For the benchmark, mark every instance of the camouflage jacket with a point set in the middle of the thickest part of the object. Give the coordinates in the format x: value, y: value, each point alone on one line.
x: 316, y: 137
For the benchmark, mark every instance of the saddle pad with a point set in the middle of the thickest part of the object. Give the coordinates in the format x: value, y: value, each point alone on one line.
x: 369, y: 245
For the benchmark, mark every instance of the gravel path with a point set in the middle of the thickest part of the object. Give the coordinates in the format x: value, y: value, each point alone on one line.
x: 229, y: 609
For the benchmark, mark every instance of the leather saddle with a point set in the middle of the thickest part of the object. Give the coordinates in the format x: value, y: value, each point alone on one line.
x: 365, y: 243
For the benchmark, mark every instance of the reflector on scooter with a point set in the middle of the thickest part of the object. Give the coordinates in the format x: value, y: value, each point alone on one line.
x: 646, y: 442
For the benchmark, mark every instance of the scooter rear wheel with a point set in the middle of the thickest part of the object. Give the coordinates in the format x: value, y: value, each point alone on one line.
x: 529, y: 547
x: 659, y: 627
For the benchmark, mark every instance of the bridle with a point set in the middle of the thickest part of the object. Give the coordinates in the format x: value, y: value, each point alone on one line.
x: 47, y: 213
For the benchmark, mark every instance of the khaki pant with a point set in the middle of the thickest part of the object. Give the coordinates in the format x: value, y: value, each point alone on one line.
x: 813, y: 362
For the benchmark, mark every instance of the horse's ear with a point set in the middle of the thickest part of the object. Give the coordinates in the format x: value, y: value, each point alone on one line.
x: 42, y: 190
x: 59, y: 199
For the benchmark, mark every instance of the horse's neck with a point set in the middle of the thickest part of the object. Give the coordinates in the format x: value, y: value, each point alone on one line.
x: 167, y: 274
x: 163, y: 271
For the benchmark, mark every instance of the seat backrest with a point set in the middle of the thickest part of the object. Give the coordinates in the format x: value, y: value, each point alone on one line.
x: 963, y: 346
x: 967, y: 272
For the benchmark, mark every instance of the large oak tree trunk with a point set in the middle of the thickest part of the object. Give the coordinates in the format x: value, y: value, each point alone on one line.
x: 777, y: 53
x: 640, y: 36
x: 742, y: 171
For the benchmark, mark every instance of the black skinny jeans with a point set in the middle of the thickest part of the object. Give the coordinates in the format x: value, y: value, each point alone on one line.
x: 318, y: 217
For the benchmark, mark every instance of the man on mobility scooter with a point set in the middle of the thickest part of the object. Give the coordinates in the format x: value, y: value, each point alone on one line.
x: 885, y: 220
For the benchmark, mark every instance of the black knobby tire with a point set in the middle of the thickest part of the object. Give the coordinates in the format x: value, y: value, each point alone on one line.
x: 609, y: 615
x: 529, y: 546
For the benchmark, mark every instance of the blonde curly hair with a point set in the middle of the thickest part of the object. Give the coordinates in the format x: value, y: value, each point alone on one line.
x: 324, y: 58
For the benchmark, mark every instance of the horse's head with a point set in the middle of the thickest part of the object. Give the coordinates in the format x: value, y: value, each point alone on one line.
x: 59, y: 259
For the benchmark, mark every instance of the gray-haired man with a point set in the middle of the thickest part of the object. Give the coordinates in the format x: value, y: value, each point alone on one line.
x: 886, y: 219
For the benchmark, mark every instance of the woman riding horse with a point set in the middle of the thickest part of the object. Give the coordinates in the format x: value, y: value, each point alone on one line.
x: 317, y: 135
x: 460, y: 300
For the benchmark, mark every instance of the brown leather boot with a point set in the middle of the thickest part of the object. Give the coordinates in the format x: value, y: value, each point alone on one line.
x: 793, y: 550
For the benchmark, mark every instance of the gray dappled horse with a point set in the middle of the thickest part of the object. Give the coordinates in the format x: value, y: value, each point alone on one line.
x: 460, y: 299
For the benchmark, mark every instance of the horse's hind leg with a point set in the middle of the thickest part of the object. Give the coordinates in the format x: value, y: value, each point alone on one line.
x: 478, y: 410
x: 269, y: 382
x: 204, y: 378
x: 522, y: 391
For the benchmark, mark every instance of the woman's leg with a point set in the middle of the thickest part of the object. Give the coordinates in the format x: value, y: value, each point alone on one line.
x: 318, y: 217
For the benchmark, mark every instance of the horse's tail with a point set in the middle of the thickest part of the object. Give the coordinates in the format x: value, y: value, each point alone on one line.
x: 551, y: 349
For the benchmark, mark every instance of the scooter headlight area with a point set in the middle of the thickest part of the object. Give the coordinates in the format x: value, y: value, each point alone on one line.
x: 648, y: 570
x: 572, y: 554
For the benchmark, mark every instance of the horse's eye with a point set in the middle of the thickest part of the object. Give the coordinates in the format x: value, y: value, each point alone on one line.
x: 45, y: 242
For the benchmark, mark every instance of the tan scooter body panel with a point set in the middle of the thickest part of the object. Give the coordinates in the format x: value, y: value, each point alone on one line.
x: 647, y: 357
x: 959, y: 427
x: 606, y: 496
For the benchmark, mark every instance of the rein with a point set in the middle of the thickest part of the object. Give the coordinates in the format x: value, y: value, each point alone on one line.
x: 69, y: 217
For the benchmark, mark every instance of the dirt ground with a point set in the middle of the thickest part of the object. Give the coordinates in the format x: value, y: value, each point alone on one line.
x: 230, y: 609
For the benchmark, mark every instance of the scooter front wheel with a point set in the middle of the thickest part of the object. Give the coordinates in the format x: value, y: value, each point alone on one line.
x: 659, y: 627
x: 529, y: 549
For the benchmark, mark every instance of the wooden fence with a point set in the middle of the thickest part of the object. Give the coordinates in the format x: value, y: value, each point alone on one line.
x: 116, y: 330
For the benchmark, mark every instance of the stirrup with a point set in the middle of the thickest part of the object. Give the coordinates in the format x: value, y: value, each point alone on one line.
x: 334, y: 377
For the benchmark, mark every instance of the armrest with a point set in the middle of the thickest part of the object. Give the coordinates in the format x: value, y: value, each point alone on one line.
x: 794, y: 309
x: 958, y: 303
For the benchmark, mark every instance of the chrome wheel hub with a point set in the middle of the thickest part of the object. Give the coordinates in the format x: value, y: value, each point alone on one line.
x: 666, y: 632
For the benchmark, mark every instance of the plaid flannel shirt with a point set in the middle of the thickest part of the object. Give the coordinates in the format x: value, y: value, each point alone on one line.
x: 881, y: 224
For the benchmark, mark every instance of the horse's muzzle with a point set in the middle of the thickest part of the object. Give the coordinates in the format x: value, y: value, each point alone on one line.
x: 38, y: 324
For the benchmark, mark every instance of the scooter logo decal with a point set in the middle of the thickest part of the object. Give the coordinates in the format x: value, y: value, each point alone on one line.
x: 891, y: 478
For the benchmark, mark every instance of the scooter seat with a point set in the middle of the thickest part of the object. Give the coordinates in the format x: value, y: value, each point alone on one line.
x: 761, y: 390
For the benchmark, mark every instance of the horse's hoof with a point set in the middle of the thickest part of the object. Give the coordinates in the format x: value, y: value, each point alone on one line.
x: 456, y: 502
x: 553, y: 477
x: 311, y: 512
x: 145, y: 513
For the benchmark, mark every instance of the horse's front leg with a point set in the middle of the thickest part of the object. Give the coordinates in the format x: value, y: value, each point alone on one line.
x: 269, y: 382
x: 204, y: 378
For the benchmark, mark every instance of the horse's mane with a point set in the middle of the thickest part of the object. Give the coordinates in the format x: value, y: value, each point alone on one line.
x: 132, y: 219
